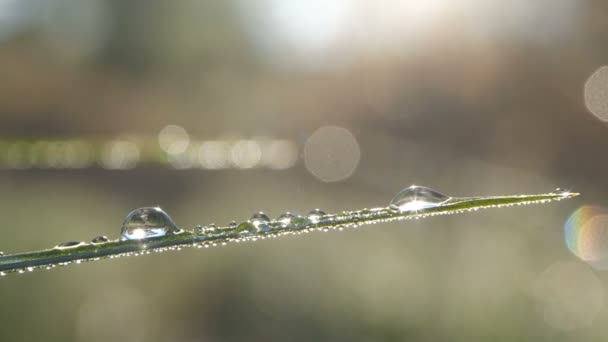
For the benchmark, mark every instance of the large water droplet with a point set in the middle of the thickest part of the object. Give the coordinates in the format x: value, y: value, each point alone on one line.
x: 99, y: 239
x: 260, y: 217
x: 261, y: 221
x: 285, y: 219
x: 69, y: 244
x: 315, y: 215
x: 417, y: 197
x: 146, y: 223
x: 247, y: 227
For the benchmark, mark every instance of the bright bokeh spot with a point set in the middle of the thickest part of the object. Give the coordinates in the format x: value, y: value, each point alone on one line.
x: 214, y: 154
x: 280, y: 154
x: 173, y: 139
x: 586, y: 234
x: 596, y: 93
x: 332, y: 153
x: 246, y: 154
x: 120, y: 155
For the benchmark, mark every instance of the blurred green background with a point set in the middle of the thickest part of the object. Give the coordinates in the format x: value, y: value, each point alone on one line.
x: 218, y: 109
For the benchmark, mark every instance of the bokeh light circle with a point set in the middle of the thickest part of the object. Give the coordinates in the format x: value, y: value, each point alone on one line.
x: 596, y: 93
x: 173, y: 139
x: 586, y: 235
x: 331, y: 153
x: 568, y: 295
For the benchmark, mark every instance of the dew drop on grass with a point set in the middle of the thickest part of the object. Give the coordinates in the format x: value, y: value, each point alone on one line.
x: 261, y: 221
x: 99, y: 239
x: 146, y: 223
x: 261, y: 217
x: 247, y: 227
x: 417, y: 197
x: 285, y: 219
x: 69, y: 244
x: 315, y: 215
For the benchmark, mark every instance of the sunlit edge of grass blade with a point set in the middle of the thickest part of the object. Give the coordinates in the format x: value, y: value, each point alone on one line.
x: 50, y: 258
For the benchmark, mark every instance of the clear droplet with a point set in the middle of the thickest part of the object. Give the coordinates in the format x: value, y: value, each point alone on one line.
x: 261, y: 221
x: 260, y: 217
x: 416, y: 198
x: 232, y: 225
x: 299, y: 222
x: 315, y: 215
x: 99, y: 239
x: 285, y: 219
x: 210, y: 228
x: 146, y: 223
x: 69, y: 244
x: 247, y: 227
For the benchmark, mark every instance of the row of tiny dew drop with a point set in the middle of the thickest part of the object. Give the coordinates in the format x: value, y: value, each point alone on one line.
x: 150, y: 229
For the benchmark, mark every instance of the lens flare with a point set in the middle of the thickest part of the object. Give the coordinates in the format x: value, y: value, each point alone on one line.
x: 586, y: 234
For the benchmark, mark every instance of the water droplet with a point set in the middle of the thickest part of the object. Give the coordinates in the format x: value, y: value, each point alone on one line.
x: 260, y: 217
x: 210, y: 228
x: 146, y: 223
x: 417, y: 197
x: 99, y: 239
x: 1, y: 253
x: 285, y: 219
x: 299, y: 222
x: 69, y: 244
x: 247, y: 227
x: 232, y: 225
x: 315, y: 215
x: 261, y: 222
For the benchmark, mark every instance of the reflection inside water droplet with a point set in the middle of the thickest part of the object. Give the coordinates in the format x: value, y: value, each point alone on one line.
x: 416, y: 198
x: 146, y: 223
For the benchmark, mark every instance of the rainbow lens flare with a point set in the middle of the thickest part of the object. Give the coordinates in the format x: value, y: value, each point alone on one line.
x: 586, y: 234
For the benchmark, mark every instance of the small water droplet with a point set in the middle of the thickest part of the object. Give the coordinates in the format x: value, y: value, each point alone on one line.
x: 315, y: 215
x: 1, y: 253
x: 146, y: 223
x: 232, y: 225
x: 285, y: 219
x: 69, y: 244
x: 417, y: 197
x: 212, y: 228
x: 260, y: 217
x: 99, y: 239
